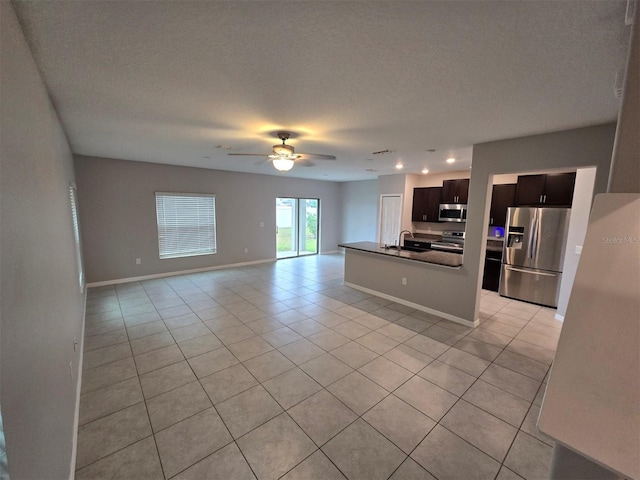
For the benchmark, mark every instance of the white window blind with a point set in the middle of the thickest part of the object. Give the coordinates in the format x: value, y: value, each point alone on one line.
x: 76, y: 234
x: 186, y: 224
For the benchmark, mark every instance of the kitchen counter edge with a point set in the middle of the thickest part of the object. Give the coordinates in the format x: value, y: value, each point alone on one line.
x: 445, y: 259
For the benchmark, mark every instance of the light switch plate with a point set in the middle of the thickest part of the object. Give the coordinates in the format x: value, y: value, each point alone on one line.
x: 578, y: 249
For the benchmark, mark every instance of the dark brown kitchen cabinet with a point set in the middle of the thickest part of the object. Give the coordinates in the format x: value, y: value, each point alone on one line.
x: 552, y: 189
x: 455, y: 191
x: 425, y: 204
x: 559, y: 189
x: 503, y: 197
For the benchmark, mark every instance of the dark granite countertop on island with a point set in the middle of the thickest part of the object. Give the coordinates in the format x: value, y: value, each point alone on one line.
x: 446, y: 259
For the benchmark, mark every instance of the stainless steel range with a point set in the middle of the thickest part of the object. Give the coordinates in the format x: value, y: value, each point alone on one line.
x: 451, y: 242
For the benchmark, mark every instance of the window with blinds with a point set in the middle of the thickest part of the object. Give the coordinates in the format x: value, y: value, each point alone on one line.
x: 186, y: 224
x: 76, y: 233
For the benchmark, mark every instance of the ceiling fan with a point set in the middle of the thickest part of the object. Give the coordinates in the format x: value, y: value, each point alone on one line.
x: 284, y: 156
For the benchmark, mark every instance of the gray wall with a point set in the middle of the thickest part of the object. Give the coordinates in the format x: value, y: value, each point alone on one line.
x: 359, y: 211
x: 580, y: 211
x: 625, y: 169
x: 117, y: 212
x: 42, y: 308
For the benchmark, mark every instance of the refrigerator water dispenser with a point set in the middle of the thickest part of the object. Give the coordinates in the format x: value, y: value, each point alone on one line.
x: 515, y: 238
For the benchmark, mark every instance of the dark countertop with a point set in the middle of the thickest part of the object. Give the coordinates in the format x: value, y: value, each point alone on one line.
x: 430, y: 256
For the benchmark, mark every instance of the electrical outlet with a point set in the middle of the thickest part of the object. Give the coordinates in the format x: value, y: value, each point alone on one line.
x: 578, y: 249
x: 138, y: 261
x: 261, y: 224
x: 75, y: 344
x: 404, y: 280
x: 246, y: 250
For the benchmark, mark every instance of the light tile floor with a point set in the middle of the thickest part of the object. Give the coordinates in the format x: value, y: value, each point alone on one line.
x: 279, y: 370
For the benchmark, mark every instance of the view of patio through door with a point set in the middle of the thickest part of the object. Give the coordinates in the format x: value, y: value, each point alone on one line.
x: 296, y: 226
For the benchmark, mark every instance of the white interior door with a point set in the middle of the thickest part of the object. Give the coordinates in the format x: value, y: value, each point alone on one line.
x: 390, y: 218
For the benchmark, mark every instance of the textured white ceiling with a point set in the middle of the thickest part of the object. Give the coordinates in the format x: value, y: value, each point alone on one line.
x: 167, y: 82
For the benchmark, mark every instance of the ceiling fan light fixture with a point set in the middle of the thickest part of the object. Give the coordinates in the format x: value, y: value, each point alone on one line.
x: 283, y: 149
x: 283, y: 164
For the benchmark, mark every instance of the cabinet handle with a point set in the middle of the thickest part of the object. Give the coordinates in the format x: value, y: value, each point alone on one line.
x: 540, y: 201
x: 491, y: 221
x: 424, y: 218
x: 544, y: 200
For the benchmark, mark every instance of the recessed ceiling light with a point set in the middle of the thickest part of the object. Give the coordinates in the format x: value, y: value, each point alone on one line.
x: 206, y: 156
x: 425, y: 171
x: 399, y: 166
x: 431, y: 150
x: 451, y: 160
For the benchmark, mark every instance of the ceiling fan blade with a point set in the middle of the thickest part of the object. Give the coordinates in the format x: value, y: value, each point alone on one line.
x: 317, y: 156
x: 305, y: 163
x: 250, y: 154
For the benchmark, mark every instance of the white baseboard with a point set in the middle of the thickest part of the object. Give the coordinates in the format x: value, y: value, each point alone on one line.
x: 559, y: 317
x: 76, y: 415
x: 330, y: 252
x: 181, y: 272
x: 422, y: 308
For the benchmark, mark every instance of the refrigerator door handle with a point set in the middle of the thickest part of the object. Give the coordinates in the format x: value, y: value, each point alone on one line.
x: 535, y: 238
x: 543, y: 274
x: 532, y: 240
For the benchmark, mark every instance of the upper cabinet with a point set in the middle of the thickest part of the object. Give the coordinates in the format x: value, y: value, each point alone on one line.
x: 425, y: 204
x: 503, y: 197
x: 455, y: 191
x: 553, y: 189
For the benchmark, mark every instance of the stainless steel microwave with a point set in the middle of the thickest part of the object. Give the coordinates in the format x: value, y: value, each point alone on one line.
x: 452, y: 212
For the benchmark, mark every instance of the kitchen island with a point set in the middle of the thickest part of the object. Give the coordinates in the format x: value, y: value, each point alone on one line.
x: 429, y: 256
x: 406, y: 277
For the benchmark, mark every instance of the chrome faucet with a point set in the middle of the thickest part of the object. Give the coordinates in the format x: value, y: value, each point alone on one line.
x: 400, y: 237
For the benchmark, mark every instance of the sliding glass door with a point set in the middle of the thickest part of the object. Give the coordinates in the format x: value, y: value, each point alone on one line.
x: 296, y: 226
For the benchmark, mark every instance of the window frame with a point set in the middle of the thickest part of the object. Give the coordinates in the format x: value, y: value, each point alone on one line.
x: 210, y: 249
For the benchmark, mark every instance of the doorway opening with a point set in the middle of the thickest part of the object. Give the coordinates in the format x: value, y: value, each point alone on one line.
x: 297, y: 226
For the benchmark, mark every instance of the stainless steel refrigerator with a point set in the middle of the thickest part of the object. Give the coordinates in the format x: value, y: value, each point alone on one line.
x: 533, y: 254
